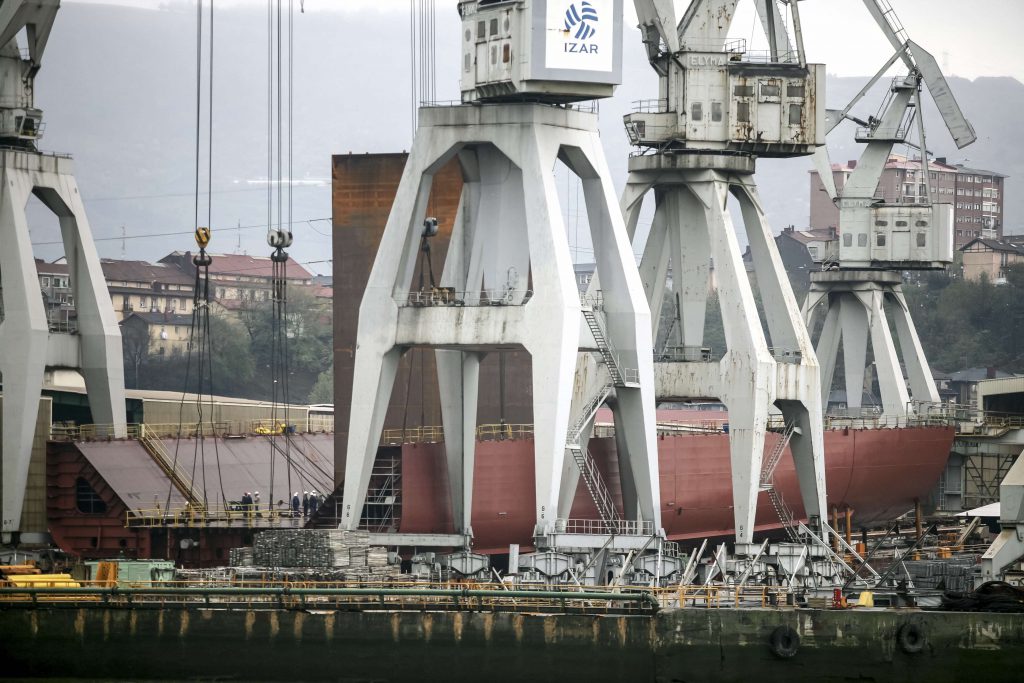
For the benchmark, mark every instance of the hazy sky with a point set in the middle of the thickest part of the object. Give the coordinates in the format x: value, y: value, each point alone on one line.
x: 970, y: 39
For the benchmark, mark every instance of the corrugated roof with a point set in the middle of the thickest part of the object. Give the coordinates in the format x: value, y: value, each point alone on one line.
x: 143, y: 271
x: 242, y: 264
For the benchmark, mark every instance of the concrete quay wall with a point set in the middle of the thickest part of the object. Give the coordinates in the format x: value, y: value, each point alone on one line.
x: 172, y: 643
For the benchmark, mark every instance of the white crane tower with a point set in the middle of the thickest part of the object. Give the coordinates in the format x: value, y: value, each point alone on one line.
x: 508, y: 279
x: 877, y: 240
x: 27, y: 344
x: 720, y: 107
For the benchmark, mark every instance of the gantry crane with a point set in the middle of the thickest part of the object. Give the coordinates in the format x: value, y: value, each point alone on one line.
x: 720, y: 107
x: 27, y: 344
x: 877, y: 240
x: 508, y: 280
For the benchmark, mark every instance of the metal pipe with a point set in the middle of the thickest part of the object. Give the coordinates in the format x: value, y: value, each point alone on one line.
x: 640, y: 597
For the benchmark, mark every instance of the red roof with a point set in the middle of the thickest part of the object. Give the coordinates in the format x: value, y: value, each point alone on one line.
x: 244, y: 265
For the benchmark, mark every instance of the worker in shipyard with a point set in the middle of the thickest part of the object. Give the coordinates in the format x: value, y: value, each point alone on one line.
x: 313, y: 502
x: 295, y: 504
x: 256, y: 503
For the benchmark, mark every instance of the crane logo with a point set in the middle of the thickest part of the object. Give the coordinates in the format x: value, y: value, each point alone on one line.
x: 581, y: 18
x: 581, y: 35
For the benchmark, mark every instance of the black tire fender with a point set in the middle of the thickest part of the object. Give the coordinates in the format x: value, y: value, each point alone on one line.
x: 910, y: 638
x: 785, y: 641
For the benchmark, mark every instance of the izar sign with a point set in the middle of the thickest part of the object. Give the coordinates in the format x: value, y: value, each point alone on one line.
x: 580, y: 35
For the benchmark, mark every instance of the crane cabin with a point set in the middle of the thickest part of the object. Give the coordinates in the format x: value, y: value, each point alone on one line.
x: 550, y: 51
x: 730, y: 100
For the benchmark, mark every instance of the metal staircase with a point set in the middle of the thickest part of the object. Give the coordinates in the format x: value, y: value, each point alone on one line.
x: 592, y: 478
x: 165, y: 462
x: 620, y: 377
x: 767, y: 482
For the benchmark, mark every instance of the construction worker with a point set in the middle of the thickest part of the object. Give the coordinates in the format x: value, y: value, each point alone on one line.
x: 305, y: 503
x: 296, y: 501
x: 256, y: 503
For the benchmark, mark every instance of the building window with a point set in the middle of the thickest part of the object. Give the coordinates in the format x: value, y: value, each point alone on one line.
x: 862, y: 239
x: 87, y: 500
x: 847, y: 239
x: 795, y: 91
x: 494, y: 27
x: 743, y: 91
x: 44, y: 281
x: 880, y: 239
x: 922, y: 239
x: 697, y: 111
x: 743, y: 112
x: 142, y: 302
x: 796, y: 114
x: 716, y: 111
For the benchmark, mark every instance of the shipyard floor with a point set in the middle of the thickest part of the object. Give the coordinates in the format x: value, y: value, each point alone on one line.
x: 174, y: 643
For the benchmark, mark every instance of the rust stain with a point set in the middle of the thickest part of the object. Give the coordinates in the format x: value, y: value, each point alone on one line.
x: 80, y: 623
x: 329, y: 627
x: 275, y: 625
x: 160, y: 624
x: 133, y: 623
x: 457, y: 626
x: 396, y: 627
x: 517, y: 627
x: 428, y: 627
x: 106, y: 626
x: 250, y: 621
x: 206, y: 614
x: 183, y: 625
x: 33, y: 620
x: 622, y: 631
x: 488, y: 627
x: 297, y: 624
x: 596, y: 630
x: 550, y: 631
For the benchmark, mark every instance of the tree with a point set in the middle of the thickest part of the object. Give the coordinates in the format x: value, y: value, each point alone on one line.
x: 323, y: 390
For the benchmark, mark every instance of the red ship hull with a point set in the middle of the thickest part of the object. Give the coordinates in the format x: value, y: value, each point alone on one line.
x: 877, y: 472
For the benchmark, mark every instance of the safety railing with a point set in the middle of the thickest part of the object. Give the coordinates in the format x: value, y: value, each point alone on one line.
x: 445, y: 296
x: 784, y: 355
x: 363, y: 597
x: 650, y: 106
x: 672, y: 427
x: 234, y: 513
x: 221, y: 428
x: 736, y: 45
x: 717, y: 596
x: 435, y: 433
x: 622, y: 527
x: 426, y: 434
x: 63, y: 326
x: 766, y: 57
x: 684, y: 354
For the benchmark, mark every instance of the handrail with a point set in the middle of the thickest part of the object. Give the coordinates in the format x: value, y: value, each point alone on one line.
x: 448, y: 296
x: 384, y: 598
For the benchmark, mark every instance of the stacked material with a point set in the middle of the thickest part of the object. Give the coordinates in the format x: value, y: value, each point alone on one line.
x: 240, y: 557
x: 308, y: 547
x: 348, y: 552
x: 951, y: 575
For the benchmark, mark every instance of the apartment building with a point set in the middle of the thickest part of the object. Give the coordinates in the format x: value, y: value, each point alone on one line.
x: 239, y: 279
x: 976, y: 195
x: 139, y: 286
x: 979, y: 205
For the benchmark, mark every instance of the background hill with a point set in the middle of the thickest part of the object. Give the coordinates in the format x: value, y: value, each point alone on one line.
x: 118, y: 88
